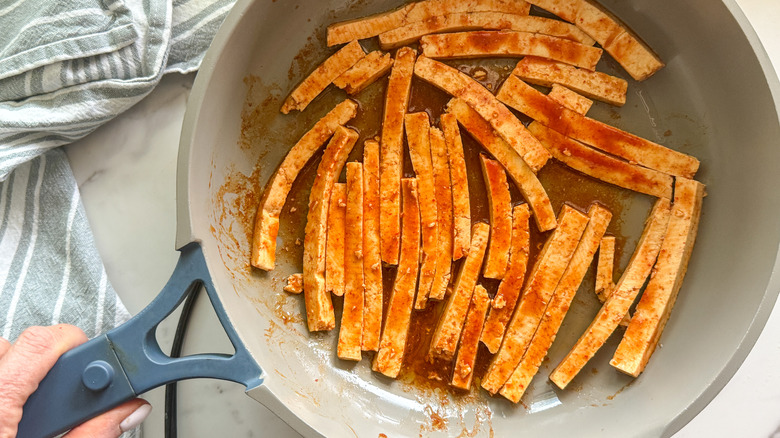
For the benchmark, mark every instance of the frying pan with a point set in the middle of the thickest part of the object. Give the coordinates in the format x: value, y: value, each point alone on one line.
x: 717, y: 96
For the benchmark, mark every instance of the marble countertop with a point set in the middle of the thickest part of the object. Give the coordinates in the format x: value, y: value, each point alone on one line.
x: 126, y: 171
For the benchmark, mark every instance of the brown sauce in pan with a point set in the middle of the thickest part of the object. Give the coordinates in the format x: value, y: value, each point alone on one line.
x: 563, y: 185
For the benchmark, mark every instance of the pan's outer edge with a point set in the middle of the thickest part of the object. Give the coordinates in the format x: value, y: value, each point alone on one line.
x: 186, y: 234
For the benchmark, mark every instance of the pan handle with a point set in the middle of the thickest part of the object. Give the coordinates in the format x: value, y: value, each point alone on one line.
x: 117, y: 366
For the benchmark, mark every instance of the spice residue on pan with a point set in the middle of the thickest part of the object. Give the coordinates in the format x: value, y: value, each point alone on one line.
x: 235, y: 200
x: 483, y: 416
x: 612, y: 397
x: 235, y: 203
x: 300, y: 63
x: 262, y: 100
x: 437, y: 421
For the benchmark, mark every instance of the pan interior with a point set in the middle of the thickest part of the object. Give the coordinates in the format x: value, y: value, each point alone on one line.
x: 712, y: 100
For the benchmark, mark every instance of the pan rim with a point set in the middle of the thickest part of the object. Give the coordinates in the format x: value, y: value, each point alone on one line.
x: 768, y: 301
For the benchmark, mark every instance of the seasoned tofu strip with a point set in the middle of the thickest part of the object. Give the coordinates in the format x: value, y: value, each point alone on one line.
x: 445, y: 337
x: 294, y: 284
x: 334, y: 250
x: 559, y: 304
x: 592, y: 84
x: 529, y: 185
x: 390, y: 355
x: 616, y: 306
x: 418, y: 138
x: 374, y: 25
x: 659, y: 297
x: 391, y: 150
x: 570, y: 99
x: 319, y: 307
x: 524, y: 98
x: 367, y: 27
x: 463, y: 373
x: 350, y: 333
x: 500, y: 204
x: 545, y: 275
x: 605, y: 268
x: 601, y: 166
x: 364, y: 72
x: 461, y: 205
x: 322, y: 76
x: 443, y: 192
x: 482, y: 100
x: 629, y: 50
x: 372, y: 262
x: 410, y: 33
x: 277, y: 188
x: 509, y: 290
x: 507, y: 43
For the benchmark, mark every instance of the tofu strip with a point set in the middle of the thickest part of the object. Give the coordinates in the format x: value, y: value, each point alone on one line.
x: 545, y: 275
x: 278, y: 187
x: 564, y: 293
x: 443, y: 191
x: 601, y: 166
x: 463, y: 373
x: 391, y: 152
x: 364, y: 72
x: 482, y: 100
x: 372, y: 262
x: 524, y: 98
x: 605, y: 268
x: 374, y: 25
x: 334, y: 250
x: 636, y: 57
x: 500, y: 203
x: 418, y: 138
x: 410, y: 33
x: 592, y: 84
x: 396, y: 326
x: 448, y: 330
x: 618, y: 303
x: 367, y: 27
x: 509, y: 289
x: 655, y: 306
x: 350, y: 333
x: 319, y: 307
x: 570, y: 99
x: 507, y: 43
x: 530, y: 187
x: 461, y: 204
x: 322, y: 76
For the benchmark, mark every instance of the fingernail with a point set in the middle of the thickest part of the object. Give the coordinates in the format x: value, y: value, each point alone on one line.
x: 136, y: 418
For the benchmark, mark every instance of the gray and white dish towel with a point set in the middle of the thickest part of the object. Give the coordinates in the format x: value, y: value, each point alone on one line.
x: 67, y: 67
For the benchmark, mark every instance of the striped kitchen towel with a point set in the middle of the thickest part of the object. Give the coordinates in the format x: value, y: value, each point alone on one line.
x: 50, y: 270
x: 67, y: 67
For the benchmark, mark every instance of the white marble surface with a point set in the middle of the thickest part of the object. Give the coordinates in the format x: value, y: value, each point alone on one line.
x: 126, y: 171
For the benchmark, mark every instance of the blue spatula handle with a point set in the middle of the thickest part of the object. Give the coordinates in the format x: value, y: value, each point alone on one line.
x: 127, y: 361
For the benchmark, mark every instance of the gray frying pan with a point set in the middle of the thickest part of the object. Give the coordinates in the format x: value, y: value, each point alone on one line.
x: 717, y: 96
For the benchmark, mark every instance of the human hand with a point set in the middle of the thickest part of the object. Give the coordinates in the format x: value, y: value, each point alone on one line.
x: 25, y: 363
